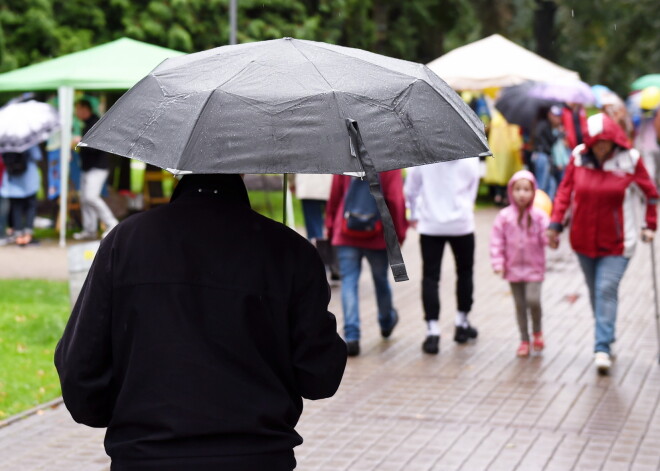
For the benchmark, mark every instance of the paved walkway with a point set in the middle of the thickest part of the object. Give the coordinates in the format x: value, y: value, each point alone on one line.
x: 473, y: 407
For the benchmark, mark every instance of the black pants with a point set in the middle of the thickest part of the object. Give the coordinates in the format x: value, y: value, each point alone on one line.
x: 23, y: 212
x: 432, y: 250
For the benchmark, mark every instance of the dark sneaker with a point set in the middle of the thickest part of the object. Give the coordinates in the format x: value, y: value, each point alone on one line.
x: 431, y: 344
x: 463, y: 334
x: 395, y: 320
x: 353, y: 348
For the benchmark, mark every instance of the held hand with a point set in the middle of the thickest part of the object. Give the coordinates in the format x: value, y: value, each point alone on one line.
x: 648, y: 235
x: 499, y: 273
x: 553, y: 238
x: 413, y: 224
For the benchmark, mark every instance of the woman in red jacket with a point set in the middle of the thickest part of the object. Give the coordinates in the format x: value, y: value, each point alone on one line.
x: 601, y: 187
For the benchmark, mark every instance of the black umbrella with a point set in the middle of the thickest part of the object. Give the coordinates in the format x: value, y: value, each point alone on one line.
x: 519, y: 107
x: 291, y: 106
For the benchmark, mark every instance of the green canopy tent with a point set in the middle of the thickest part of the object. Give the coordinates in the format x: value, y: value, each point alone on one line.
x: 117, y: 65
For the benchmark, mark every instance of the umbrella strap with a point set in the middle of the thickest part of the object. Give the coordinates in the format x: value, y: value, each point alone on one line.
x: 358, y: 150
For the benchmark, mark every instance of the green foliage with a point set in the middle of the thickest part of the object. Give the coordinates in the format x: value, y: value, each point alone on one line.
x: 270, y: 204
x: 33, y: 314
x: 610, y: 41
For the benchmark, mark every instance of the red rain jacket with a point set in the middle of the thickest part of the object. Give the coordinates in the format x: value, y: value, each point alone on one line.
x: 392, y: 187
x: 606, y: 216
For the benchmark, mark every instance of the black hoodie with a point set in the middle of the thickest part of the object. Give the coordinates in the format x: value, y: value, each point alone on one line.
x: 200, y: 326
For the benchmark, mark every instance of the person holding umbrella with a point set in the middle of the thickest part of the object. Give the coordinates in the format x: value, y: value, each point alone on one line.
x: 20, y: 184
x: 599, y: 188
x: 4, y: 208
x: 199, y: 328
x: 219, y: 317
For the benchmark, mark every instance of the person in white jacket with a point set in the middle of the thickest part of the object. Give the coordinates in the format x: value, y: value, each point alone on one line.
x: 313, y: 191
x: 441, y: 200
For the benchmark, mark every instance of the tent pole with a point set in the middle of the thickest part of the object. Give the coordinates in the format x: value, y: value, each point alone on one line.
x: 65, y: 104
x: 290, y: 219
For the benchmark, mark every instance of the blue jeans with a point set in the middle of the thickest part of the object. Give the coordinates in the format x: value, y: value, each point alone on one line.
x: 313, y: 214
x: 350, y: 266
x: 603, y: 275
x: 545, y: 180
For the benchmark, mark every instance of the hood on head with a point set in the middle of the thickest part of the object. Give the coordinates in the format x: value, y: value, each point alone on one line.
x: 520, y: 175
x: 601, y: 127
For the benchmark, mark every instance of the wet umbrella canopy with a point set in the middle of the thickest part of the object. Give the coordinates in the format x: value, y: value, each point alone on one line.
x: 289, y: 106
x: 25, y: 124
x: 519, y: 107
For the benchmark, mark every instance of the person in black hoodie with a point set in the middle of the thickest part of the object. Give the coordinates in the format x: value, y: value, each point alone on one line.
x: 200, y: 326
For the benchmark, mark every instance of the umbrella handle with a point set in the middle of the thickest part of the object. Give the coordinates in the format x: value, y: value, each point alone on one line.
x: 397, y: 264
x: 284, y: 188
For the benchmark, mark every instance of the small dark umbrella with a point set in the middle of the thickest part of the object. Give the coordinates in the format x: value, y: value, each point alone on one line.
x: 519, y: 107
x: 291, y: 106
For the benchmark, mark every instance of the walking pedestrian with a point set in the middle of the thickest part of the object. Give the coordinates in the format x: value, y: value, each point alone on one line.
x: 505, y: 141
x: 354, y: 245
x: 600, y: 189
x: 20, y: 184
x: 313, y: 191
x: 517, y: 253
x: 441, y: 199
x: 551, y: 154
x: 4, y: 208
x: 198, y: 330
x: 95, y: 172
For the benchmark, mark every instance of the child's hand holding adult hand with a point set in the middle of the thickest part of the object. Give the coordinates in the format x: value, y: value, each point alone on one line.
x: 553, y: 238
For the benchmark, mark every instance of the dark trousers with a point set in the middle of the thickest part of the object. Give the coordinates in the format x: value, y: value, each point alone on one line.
x: 23, y: 212
x: 432, y: 250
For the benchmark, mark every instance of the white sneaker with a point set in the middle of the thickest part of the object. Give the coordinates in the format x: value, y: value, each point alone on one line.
x: 603, y: 362
x: 84, y: 236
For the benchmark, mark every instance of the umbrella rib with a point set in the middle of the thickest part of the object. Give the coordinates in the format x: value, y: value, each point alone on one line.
x: 192, y: 128
x: 313, y: 65
x: 451, y: 102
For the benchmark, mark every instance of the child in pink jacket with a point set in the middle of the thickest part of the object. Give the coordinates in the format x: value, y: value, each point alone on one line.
x: 517, y: 252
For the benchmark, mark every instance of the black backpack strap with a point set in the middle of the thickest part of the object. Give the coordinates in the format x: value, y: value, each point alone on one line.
x: 358, y: 150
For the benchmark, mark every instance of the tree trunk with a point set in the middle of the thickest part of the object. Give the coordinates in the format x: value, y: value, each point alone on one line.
x: 544, y: 29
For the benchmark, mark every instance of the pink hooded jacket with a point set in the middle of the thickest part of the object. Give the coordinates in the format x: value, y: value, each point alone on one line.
x: 516, y: 249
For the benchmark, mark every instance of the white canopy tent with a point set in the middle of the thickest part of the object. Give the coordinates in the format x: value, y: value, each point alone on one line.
x: 495, y: 62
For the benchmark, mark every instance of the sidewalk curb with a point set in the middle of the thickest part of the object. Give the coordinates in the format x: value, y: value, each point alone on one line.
x: 35, y: 410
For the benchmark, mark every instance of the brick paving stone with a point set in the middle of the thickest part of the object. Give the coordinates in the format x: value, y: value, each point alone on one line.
x: 472, y: 407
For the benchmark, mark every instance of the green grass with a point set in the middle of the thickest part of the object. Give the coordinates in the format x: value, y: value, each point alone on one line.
x: 33, y: 314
